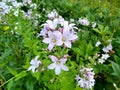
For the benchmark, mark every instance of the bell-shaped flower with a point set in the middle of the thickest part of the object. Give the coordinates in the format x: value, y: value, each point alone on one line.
x: 58, y: 64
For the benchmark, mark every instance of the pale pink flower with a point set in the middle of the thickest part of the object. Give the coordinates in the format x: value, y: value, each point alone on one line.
x: 58, y: 64
x: 67, y: 37
x: 51, y: 24
x: 54, y: 38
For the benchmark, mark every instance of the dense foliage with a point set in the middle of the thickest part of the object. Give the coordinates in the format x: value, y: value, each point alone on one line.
x: 60, y: 45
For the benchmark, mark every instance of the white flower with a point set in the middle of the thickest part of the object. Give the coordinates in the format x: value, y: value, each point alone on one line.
x: 86, y: 80
x: 93, y: 24
x: 51, y: 24
x: 58, y: 64
x: 72, y: 20
x: 105, y: 56
x: 52, y: 14
x: 67, y: 37
x: 17, y: 4
x: 107, y: 48
x: 4, y: 9
x: 61, y: 20
x: 84, y: 21
x: 101, y: 61
x: 54, y: 38
x: 97, y: 43
x: 25, y: 2
x: 16, y: 13
x: 34, y: 64
x: 43, y: 32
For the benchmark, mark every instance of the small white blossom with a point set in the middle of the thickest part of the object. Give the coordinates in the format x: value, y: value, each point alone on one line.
x: 107, y: 48
x: 93, y: 24
x: 101, y: 61
x: 72, y: 20
x: 84, y: 21
x: 58, y: 64
x: 4, y: 8
x: 105, y: 56
x: 16, y: 13
x: 52, y: 14
x: 97, y: 43
x: 34, y: 64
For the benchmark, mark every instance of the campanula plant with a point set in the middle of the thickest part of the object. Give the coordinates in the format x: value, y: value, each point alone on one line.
x: 59, y: 45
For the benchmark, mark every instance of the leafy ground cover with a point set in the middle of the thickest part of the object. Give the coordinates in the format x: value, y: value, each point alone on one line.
x: 59, y: 45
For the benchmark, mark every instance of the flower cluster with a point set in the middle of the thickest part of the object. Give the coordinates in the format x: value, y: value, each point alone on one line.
x: 86, y: 80
x: 106, y: 50
x: 57, y: 31
x: 15, y: 7
x: 4, y: 9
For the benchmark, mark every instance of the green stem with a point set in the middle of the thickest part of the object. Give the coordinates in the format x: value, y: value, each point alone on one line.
x: 7, y: 81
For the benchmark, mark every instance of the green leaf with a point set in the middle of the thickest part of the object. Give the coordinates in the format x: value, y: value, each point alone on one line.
x: 96, y: 30
x: 116, y: 69
x: 117, y: 59
x: 9, y: 86
x: 79, y: 51
x: 78, y: 88
x: 20, y: 75
x: 89, y: 50
x: 12, y: 71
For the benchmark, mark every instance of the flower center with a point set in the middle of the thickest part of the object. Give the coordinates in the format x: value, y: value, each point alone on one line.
x: 63, y: 39
x: 54, y: 40
x: 58, y: 62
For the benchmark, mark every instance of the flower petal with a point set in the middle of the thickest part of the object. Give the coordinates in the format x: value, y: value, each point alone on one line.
x: 63, y: 60
x: 50, y: 34
x: 68, y: 44
x: 53, y: 58
x: 46, y: 40
x: 52, y: 66
x: 57, y: 70
x: 65, y: 68
x: 50, y: 46
x: 73, y: 37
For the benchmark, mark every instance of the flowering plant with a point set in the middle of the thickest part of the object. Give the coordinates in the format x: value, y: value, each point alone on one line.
x: 71, y: 48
